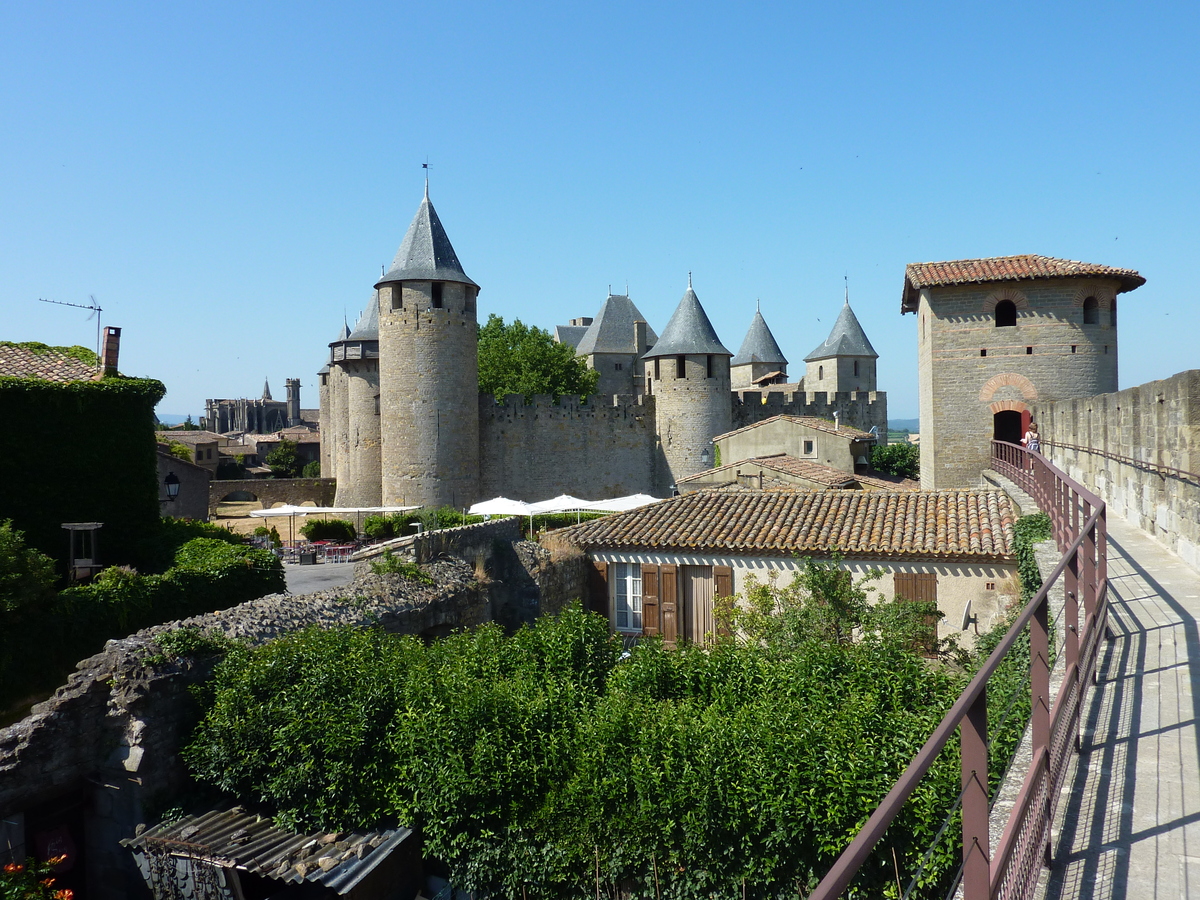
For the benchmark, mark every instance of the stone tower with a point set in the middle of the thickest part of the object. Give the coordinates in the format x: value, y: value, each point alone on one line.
x: 758, y: 358
x: 358, y: 361
x: 614, y: 343
x: 336, y: 425
x: 994, y: 335
x: 293, y: 401
x: 687, y: 371
x: 845, y: 361
x: 428, y: 371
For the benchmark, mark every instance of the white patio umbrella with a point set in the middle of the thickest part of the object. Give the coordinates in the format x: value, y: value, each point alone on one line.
x: 622, y: 504
x: 500, y: 506
x: 561, y: 503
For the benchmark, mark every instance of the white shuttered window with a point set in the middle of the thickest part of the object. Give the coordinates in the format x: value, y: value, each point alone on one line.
x: 627, y: 596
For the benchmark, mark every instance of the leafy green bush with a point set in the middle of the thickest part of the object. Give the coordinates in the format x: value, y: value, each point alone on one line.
x: 209, y: 574
x: 284, y: 460
x: 390, y: 564
x: 26, y: 575
x: 384, y: 528
x: 544, y: 761
x: 1027, y: 531
x: 190, y: 641
x: 312, y: 469
x: 332, y: 530
x: 901, y: 460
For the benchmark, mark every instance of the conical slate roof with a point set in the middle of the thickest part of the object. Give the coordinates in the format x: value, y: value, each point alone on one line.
x: 266, y: 389
x: 759, y: 345
x: 689, y: 331
x: 343, y: 333
x: 367, y: 328
x: 612, y: 329
x: 425, y: 254
x: 846, y: 339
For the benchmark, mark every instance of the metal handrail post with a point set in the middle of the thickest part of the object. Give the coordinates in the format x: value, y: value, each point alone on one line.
x: 976, y: 840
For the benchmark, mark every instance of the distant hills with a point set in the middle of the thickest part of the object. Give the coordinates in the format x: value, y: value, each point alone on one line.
x: 913, y: 425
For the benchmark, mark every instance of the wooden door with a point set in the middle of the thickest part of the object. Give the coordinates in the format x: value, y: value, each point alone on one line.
x: 650, y: 615
x: 921, y: 586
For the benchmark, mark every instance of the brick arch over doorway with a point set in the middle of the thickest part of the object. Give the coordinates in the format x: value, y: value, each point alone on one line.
x: 274, y: 490
x: 1007, y: 379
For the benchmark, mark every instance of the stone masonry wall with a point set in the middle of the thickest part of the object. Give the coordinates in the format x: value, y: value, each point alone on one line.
x: 1048, y: 355
x: 274, y: 490
x: 595, y: 449
x: 1154, y: 424
x: 691, y: 411
x: 363, y: 485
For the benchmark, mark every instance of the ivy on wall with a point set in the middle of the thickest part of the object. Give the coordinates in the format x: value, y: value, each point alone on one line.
x: 82, y: 452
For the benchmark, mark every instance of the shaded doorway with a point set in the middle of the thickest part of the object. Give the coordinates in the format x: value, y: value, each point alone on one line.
x: 1007, y: 426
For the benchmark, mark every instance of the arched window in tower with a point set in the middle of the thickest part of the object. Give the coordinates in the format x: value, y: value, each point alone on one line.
x: 820, y: 373
x: 1091, y: 311
x: 1112, y: 313
x: 437, y: 294
x: 1006, y: 314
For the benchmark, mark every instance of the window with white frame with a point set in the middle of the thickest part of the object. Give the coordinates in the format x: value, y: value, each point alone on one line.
x: 627, y: 596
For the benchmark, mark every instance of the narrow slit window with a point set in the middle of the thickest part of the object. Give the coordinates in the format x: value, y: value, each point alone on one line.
x: 708, y: 366
x: 681, y: 367
x: 1029, y: 351
x: 398, y: 297
x: 657, y: 376
x: 437, y: 294
x: 1091, y: 311
x: 983, y: 352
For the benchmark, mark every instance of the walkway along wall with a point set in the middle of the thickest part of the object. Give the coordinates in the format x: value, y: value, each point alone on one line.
x: 1139, y: 449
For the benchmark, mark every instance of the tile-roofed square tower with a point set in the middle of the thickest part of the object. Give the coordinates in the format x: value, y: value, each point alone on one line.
x: 994, y: 335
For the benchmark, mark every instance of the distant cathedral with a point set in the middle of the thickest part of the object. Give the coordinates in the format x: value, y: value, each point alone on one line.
x: 404, y: 423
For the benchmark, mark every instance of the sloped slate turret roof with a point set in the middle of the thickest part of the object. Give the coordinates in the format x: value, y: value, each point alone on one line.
x: 759, y: 345
x: 612, y: 329
x: 1026, y: 267
x: 689, y: 331
x: 846, y: 339
x: 426, y: 254
x: 367, y: 327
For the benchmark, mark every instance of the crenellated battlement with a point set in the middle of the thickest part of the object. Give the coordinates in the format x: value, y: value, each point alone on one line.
x: 860, y: 409
x: 606, y: 405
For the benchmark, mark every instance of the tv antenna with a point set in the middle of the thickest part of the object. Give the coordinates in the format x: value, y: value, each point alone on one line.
x: 94, y: 307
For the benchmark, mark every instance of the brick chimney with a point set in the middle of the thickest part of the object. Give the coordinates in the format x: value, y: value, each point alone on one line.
x: 110, y: 349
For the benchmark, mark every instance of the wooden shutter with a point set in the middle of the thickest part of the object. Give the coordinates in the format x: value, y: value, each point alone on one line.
x: 722, y: 588
x: 920, y: 586
x: 650, y: 621
x: 598, y: 588
x: 668, y: 601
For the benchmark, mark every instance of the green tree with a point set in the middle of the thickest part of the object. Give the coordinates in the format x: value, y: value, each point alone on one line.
x: 179, y: 450
x: 26, y: 574
x: 902, y: 460
x: 284, y: 460
x: 518, y: 359
x: 312, y: 469
x: 189, y: 425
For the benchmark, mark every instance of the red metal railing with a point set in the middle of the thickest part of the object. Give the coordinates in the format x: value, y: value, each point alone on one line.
x: 1078, y: 520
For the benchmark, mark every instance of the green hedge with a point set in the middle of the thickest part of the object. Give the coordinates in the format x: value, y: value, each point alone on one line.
x: 82, y: 452
x: 332, y: 530
x: 39, y: 642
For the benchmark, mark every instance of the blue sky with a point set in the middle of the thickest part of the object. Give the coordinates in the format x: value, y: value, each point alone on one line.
x: 227, y: 180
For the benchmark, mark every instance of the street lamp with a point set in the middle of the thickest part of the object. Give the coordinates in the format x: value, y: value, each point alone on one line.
x: 172, y: 485
x: 705, y: 457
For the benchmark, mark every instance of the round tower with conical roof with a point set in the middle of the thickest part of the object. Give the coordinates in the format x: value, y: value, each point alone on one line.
x: 428, y: 371
x: 844, y: 361
x: 759, y: 360
x: 687, y: 371
x: 360, y: 479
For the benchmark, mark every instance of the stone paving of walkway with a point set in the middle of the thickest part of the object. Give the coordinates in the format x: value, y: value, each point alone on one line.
x: 1128, y: 822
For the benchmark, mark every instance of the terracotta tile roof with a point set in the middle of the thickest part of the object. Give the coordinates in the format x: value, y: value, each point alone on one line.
x: 191, y: 437
x: 810, y: 422
x: 822, y: 474
x: 1005, y: 268
x: 49, y: 364
x: 969, y: 525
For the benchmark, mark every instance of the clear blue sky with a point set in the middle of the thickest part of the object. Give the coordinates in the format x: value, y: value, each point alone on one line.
x: 228, y: 179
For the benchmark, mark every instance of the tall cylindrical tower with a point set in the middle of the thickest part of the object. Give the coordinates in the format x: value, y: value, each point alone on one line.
x: 687, y: 371
x: 362, y: 483
x: 339, y: 422
x: 428, y: 371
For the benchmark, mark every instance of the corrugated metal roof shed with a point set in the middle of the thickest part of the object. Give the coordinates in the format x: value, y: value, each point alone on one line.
x: 234, y: 838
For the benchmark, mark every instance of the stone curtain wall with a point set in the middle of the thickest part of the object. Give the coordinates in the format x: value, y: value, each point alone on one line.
x: 857, y: 409
x: 275, y: 490
x: 595, y: 449
x: 470, y: 543
x: 1154, y: 424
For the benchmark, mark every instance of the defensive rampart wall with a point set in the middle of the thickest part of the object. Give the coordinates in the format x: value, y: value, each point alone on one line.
x: 1139, y: 449
x: 857, y: 409
x: 596, y: 448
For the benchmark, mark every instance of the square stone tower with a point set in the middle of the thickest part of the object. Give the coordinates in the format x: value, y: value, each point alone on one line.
x: 994, y: 335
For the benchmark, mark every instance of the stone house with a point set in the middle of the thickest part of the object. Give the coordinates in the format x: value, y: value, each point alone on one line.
x: 659, y: 569
x: 783, y: 471
x: 205, y: 446
x: 800, y: 437
x: 192, y: 500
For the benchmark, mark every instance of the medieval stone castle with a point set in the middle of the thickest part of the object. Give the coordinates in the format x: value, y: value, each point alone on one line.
x: 404, y: 423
